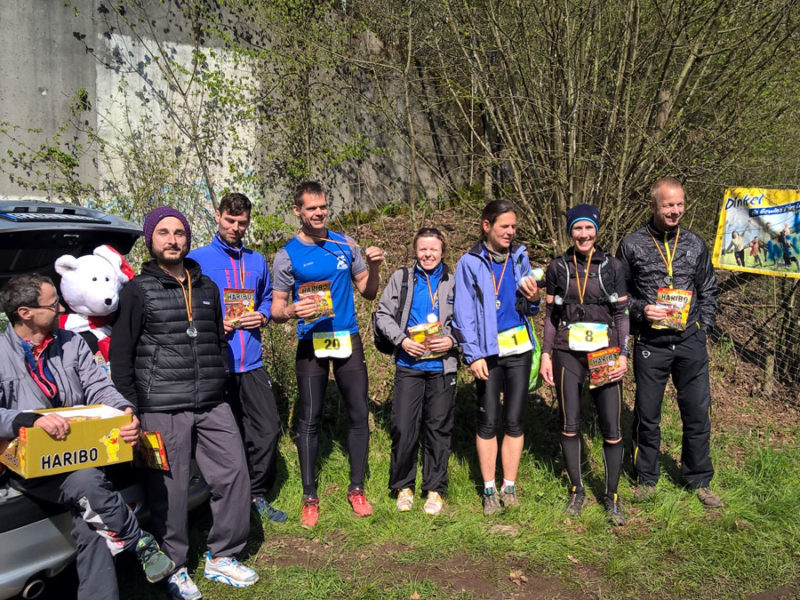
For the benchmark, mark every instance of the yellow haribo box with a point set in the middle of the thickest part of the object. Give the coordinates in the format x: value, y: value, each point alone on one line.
x: 93, y: 441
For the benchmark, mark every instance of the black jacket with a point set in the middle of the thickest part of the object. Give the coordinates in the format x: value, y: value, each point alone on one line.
x: 597, y: 307
x: 646, y: 272
x: 158, y: 366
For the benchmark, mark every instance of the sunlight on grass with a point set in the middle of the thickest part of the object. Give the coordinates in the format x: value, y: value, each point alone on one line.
x: 671, y: 547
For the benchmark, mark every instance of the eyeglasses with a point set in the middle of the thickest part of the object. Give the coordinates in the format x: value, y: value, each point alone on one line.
x: 53, y: 306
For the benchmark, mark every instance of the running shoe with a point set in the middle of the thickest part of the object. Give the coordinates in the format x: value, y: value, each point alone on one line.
x: 181, y: 586
x: 433, y: 503
x: 491, y: 503
x: 575, y: 503
x: 265, y: 509
x: 708, y: 498
x: 509, y: 496
x: 614, y: 513
x: 229, y: 571
x: 155, y: 563
x: 310, y: 514
x: 405, y: 499
x: 358, y: 501
x: 644, y: 491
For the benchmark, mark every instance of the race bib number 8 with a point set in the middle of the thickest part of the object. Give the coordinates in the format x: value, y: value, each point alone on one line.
x: 514, y: 341
x: 333, y: 344
x: 588, y: 337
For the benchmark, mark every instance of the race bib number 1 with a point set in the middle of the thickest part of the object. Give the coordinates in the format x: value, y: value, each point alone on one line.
x: 588, y: 337
x: 332, y: 344
x: 514, y: 341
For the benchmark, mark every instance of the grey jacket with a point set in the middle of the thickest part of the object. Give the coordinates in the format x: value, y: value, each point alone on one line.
x: 390, y: 299
x: 78, y: 378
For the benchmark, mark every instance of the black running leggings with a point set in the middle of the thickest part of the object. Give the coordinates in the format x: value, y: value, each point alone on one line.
x: 569, y: 372
x: 351, y: 379
x: 509, y: 375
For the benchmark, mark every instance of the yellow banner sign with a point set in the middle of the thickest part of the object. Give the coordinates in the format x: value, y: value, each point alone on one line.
x: 759, y: 232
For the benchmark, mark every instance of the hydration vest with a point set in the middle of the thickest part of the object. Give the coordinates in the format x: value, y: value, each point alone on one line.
x: 594, y: 309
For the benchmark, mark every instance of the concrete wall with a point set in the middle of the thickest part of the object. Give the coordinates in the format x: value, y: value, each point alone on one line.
x: 43, y: 65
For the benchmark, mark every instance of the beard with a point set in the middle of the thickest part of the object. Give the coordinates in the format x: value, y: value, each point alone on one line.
x: 170, y: 261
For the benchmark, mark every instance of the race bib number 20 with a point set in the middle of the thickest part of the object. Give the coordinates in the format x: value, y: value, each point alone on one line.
x: 332, y: 344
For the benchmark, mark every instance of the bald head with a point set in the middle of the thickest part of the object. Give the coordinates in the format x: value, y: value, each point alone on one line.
x: 666, y: 203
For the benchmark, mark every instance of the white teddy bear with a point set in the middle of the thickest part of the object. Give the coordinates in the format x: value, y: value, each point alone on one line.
x: 90, y: 286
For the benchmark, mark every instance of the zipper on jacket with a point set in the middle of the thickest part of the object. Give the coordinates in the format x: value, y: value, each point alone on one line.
x: 152, y: 372
x: 196, y: 374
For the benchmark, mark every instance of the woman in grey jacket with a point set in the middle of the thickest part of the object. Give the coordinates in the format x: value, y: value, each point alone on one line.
x: 415, y: 312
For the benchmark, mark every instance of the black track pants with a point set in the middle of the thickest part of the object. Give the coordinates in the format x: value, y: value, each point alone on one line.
x: 422, y: 401
x: 687, y: 363
x: 253, y: 404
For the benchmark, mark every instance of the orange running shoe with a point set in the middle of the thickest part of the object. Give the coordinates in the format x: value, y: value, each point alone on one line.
x: 310, y: 514
x: 358, y: 501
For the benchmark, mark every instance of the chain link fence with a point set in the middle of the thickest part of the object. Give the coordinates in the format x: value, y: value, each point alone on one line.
x: 757, y: 319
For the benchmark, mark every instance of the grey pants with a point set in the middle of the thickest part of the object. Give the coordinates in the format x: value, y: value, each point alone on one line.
x: 213, y: 438
x: 102, y: 525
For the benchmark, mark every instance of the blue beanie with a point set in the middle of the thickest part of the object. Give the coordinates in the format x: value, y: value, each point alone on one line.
x: 155, y: 216
x: 583, y: 212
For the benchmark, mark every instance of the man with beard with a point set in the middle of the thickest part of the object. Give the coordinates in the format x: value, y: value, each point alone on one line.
x: 169, y: 358
x: 242, y: 275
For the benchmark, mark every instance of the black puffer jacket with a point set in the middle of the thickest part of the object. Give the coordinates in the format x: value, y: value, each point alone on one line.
x: 159, y: 367
x: 646, y: 272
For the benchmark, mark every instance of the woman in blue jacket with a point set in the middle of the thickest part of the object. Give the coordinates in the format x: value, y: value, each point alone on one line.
x: 495, y: 294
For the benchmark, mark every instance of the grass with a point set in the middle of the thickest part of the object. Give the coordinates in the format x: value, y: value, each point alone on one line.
x: 671, y: 547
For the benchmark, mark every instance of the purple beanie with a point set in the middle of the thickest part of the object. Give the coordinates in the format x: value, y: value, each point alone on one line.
x: 154, y: 217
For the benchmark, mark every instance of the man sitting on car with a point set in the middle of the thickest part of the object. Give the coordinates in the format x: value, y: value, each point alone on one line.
x: 44, y: 367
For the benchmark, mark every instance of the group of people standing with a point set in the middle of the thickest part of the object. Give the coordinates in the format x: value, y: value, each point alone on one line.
x: 593, y: 301
x: 188, y: 370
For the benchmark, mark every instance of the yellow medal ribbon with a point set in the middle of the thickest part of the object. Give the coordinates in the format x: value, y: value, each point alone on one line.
x: 187, y: 300
x: 581, y: 292
x: 670, y: 254
x: 431, y: 294
x: 497, y: 283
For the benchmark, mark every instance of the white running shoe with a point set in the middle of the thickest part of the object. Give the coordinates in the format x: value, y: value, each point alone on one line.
x: 405, y: 499
x: 181, y: 586
x: 229, y: 571
x: 434, y: 503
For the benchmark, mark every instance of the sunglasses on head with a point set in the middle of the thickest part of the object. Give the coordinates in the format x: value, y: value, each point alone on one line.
x: 432, y: 230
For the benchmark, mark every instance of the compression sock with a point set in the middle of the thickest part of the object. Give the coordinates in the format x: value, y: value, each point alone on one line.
x: 571, y: 448
x: 612, y: 458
